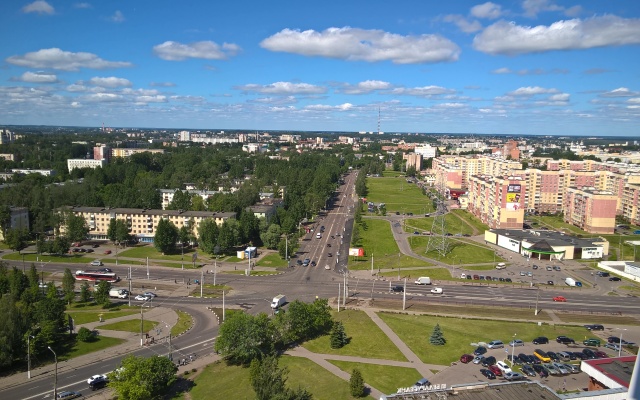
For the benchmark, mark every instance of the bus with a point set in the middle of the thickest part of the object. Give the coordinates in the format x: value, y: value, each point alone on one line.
x: 542, y: 355
x: 96, y: 276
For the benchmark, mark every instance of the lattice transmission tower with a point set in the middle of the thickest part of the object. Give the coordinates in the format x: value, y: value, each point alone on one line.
x: 438, y: 240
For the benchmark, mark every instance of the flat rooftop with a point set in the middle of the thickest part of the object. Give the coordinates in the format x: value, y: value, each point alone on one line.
x: 552, y: 237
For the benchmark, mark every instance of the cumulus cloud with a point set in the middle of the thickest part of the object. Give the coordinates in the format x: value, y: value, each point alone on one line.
x: 208, y: 50
x: 63, y: 60
x: 283, y: 88
x: 424, y: 91
x: 560, y: 97
x: 533, y: 7
x: 162, y: 84
x: 355, y: 44
x: 536, y: 71
x: 151, y: 99
x: 487, y: 10
x: 326, y: 107
x: 531, y: 91
x: 103, y: 97
x: 463, y: 23
x: 38, y: 7
x: 117, y: 17
x: 110, y: 82
x: 620, y: 92
x: 37, y: 77
x: 508, y: 38
x: 365, y: 87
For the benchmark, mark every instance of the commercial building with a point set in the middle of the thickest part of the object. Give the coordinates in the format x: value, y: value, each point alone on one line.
x: 142, y: 223
x: 609, y: 373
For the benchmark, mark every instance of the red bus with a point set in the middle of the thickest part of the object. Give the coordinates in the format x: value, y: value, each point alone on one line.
x: 96, y: 276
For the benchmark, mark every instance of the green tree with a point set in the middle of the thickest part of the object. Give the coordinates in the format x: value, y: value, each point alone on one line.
x: 181, y: 201
x: 5, y: 219
x: 85, y: 294
x: 143, y: 378
x: 208, y: 240
x: 16, y: 239
x: 101, y: 294
x: 118, y: 231
x: 287, y: 247
x: 84, y: 335
x: 166, y: 236
x: 269, y: 381
x: 68, y: 286
x: 437, y: 338
x: 77, y: 228
x: 244, y: 337
x: 272, y: 236
x: 338, y: 337
x: 228, y: 236
x: 356, y: 383
x: 10, y: 330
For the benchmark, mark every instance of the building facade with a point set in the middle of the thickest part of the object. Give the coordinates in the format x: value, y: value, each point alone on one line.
x: 73, y: 163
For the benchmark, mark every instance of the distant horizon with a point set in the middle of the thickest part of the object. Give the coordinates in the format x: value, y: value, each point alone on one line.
x: 517, y: 67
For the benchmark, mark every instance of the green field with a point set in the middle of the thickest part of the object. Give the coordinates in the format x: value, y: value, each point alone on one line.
x: 185, y: 322
x: 131, y: 325
x: 39, y: 258
x: 272, y: 260
x: 452, y: 224
x: 382, y: 377
x: 85, y: 317
x: 367, y: 340
x: 470, y: 219
x: 415, y: 330
x: 398, y: 195
x: 144, y: 251
x: 82, y: 348
x: 462, y: 251
x: 215, y: 381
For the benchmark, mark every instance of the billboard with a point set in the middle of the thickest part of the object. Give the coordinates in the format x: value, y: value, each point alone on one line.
x: 356, y: 251
x: 513, y: 196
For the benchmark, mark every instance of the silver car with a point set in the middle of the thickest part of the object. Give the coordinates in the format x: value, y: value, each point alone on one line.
x: 561, y: 368
x: 478, y: 359
x: 574, y: 369
x: 552, y: 369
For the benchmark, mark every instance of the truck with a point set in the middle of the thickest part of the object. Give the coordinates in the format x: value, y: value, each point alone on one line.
x: 279, y: 301
x: 119, y: 293
x: 572, y: 282
x: 423, y: 280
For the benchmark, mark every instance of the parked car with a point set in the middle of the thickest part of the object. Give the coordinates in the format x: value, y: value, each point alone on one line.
x: 541, y: 370
x: 503, y: 367
x: 613, y: 339
x: 107, y: 252
x: 495, y: 344
x: 574, y: 369
x: 613, y: 346
x: 515, y: 360
x: 478, y: 359
x: 541, y: 340
x: 614, y: 279
x: 489, y: 361
x: 560, y: 298
x: 513, y: 376
x: 424, y: 382
x: 591, y: 342
x: 494, y: 368
x: 595, y: 327
x: 68, y: 394
x: 466, y: 358
x: 549, y: 282
x: 551, y: 369
x: 480, y: 350
x: 489, y: 374
x: 579, y: 355
x: 553, y: 356
x: 507, y: 280
x: 549, y: 268
x: 516, y: 342
x: 561, y: 368
x: 95, y: 378
x: 313, y: 263
x: 565, y: 340
x: 528, y: 370
x: 96, y: 263
x: 601, y: 354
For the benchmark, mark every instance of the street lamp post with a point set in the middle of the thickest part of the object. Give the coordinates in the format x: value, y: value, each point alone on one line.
x: 29, y: 356
x: 513, y: 349
x: 620, y: 344
x: 55, y: 379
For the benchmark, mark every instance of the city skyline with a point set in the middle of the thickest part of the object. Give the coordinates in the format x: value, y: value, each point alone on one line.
x: 532, y: 67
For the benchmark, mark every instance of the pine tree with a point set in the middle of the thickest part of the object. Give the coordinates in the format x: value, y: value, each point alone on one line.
x: 356, y: 383
x: 437, y: 338
x: 338, y: 335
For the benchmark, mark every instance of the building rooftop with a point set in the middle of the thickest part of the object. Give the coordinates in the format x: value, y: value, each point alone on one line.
x: 613, y: 372
x: 202, y: 214
x: 552, y: 238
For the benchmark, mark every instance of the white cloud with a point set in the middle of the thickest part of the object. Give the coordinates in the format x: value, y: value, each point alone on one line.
x: 37, y: 77
x: 276, y: 100
x: 531, y: 91
x: 560, y: 97
x: 110, y: 82
x: 151, y: 99
x: 283, y: 88
x: 326, y: 107
x: 63, y: 60
x: 75, y: 104
x: 174, y: 51
x: 82, y: 5
x: 503, y: 70
x: 104, y: 97
x: 573, y: 11
x: 162, y: 84
x: 76, y: 87
x: 508, y: 38
x: 536, y: 71
x: 634, y: 100
x: 620, y: 92
x: 424, y: 91
x: 365, y: 87
x: 38, y: 7
x: 487, y: 10
x: 355, y: 44
x: 117, y: 17
x: 533, y: 7
x: 462, y: 23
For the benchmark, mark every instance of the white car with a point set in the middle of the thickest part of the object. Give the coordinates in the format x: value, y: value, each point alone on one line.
x: 96, y: 378
x: 516, y: 342
x: 503, y: 367
x: 142, y: 297
x: 96, y: 263
x: 436, y: 290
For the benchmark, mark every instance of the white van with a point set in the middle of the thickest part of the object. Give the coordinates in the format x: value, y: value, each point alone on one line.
x: 318, y: 235
x: 423, y: 280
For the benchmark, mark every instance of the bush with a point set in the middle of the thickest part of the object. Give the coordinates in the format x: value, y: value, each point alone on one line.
x: 85, y: 335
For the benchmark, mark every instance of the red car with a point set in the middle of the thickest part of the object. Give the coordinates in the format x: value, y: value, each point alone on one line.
x: 495, y: 370
x: 601, y: 354
x: 559, y: 298
x: 107, y: 252
x: 466, y: 358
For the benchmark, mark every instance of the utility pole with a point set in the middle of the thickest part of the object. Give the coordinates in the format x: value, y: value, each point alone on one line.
x: 537, y: 297
x: 222, y: 305
x: 404, y: 295
x: 129, y: 286
x: 147, y: 267
x: 339, y: 296
x: 201, y: 281
x: 29, y: 356
x: 371, y: 263
x: 55, y: 379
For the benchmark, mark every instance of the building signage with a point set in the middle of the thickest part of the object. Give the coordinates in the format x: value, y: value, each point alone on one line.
x: 422, y: 389
x: 513, y: 197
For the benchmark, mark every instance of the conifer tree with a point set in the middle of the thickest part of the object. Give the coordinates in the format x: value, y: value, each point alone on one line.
x: 437, y: 338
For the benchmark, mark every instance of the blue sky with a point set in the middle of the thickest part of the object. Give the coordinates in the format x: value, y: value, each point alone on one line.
x: 510, y: 67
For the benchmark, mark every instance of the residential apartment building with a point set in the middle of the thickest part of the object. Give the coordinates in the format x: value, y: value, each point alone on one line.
x: 128, y: 152
x: 27, y: 171
x: 497, y: 201
x: 590, y: 210
x: 413, y: 160
x: 142, y: 223
x: 73, y: 163
x: 19, y: 219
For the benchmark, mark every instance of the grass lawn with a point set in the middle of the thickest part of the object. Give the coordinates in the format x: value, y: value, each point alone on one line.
x: 398, y: 195
x: 555, y: 222
x: 601, y: 319
x: 452, y: 224
x: 382, y: 377
x: 462, y: 251
x: 415, y: 330
x: 185, y: 322
x: 122, y: 262
x: 32, y: 257
x: 272, y: 260
x: 209, y: 290
x: 144, y: 251
x: 85, y: 317
x: 253, y: 273
x: 323, y: 385
x: 378, y: 239
x: 367, y: 340
x: 220, y: 381
x: 131, y: 325
x: 82, y: 348
x: 472, y: 220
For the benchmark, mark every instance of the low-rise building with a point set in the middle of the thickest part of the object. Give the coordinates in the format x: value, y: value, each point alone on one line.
x: 73, y: 163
